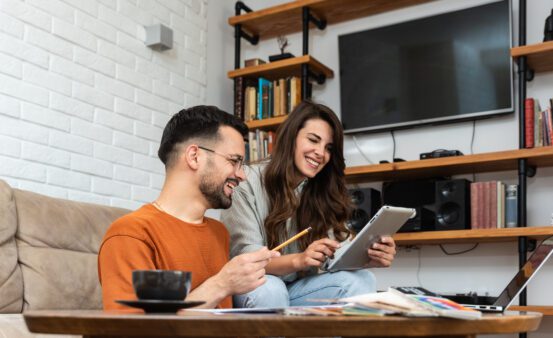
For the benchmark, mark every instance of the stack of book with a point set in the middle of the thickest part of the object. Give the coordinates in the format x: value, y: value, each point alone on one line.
x: 538, y: 124
x: 491, y: 207
x: 258, y: 99
x: 259, y: 145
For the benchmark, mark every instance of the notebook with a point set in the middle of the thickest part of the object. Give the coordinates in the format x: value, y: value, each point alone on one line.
x: 517, y: 284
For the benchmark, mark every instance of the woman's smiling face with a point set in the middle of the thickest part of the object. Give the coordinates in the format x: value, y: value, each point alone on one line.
x: 313, y: 148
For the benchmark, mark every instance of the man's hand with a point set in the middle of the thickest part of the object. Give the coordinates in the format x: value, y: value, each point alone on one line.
x: 382, y: 253
x: 245, y: 272
x: 316, y: 253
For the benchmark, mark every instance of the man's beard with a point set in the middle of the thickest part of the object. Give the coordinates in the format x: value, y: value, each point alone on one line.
x: 214, y: 193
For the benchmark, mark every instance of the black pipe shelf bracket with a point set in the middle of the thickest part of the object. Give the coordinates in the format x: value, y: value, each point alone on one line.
x: 529, y: 75
x: 240, y: 33
x: 320, y: 78
x: 319, y: 23
x: 531, y: 245
x: 253, y: 39
x: 531, y: 171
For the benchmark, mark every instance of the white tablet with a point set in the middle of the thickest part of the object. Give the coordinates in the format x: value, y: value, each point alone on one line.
x: 352, y: 255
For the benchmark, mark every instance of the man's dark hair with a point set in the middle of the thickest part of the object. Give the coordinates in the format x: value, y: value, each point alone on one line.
x: 195, y: 122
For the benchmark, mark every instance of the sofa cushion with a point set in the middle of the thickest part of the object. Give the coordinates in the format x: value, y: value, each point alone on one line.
x: 58, y: 242
x: 11, y: 281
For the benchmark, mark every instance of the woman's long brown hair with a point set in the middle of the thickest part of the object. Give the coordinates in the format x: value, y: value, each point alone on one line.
x: 324, y: 203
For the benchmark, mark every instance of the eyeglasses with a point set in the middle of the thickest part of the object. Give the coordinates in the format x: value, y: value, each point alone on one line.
x: 237, y: 161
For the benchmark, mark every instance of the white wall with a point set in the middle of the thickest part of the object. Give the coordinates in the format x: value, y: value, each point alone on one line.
x: 488, y: 267
x: 83, y: 101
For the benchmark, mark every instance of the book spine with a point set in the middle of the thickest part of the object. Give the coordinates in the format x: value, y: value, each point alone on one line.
x: 493, y: 204
x: 474, y: 204
x: 239, y: 98
x: 511, y: 206
x: 529, y: 123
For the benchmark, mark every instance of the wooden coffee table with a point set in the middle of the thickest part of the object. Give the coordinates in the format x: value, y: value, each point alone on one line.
x: 112, y: 324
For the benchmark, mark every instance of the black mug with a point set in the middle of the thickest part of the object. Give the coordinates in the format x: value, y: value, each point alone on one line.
x: 161, y: 284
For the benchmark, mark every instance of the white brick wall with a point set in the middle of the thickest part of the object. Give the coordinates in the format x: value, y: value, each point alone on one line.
x: 83, y: 102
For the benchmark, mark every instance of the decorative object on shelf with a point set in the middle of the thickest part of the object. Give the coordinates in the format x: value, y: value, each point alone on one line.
x: 548, y: 29
x: 159, y: 37
x: 253, y: 62
x: 282, y: 43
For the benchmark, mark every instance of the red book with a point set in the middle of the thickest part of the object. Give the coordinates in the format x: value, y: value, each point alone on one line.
x: 475, y: 205
x: 493, y: 204
x: 529, y: 123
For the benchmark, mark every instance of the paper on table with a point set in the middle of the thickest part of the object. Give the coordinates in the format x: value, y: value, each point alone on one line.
x: 266, y: 309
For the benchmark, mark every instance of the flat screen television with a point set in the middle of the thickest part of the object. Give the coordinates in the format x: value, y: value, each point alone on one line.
x: 449, y: 67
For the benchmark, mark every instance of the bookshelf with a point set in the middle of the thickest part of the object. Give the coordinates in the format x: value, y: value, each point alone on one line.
x: 291, y: 17
x: 455, y: 165
x: 472, y: 236
x: 283, y: 68
x: 287, y: 18
x: 539, y: 56
x: 266, y: 124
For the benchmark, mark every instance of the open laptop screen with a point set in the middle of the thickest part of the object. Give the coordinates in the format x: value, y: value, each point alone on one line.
x: 528, y: 270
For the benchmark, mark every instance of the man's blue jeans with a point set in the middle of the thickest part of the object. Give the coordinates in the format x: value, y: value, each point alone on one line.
x: 276, y: 293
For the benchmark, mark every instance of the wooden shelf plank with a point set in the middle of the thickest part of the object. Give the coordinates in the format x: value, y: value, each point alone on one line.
x: 539, y: 56
x: 472, y: 236
x: 287, y: 18
x: 545, y: 310
x: 266, y: 124
x: 283, y: 68
x: 447, y: 166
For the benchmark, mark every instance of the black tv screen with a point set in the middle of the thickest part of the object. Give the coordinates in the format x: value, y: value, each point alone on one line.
x: 452, y: 66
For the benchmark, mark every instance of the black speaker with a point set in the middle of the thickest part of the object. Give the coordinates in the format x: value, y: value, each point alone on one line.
x: 409, y: 194
x: 452, y: 204
x: 424, y: 220
x: 366, y: 202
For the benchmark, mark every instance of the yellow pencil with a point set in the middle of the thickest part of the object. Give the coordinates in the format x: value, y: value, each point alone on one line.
x: 282, y: 245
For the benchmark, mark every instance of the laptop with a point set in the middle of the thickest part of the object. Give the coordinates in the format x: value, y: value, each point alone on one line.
x: 517, y: 284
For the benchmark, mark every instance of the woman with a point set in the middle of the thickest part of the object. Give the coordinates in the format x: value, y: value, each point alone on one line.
x: 301, y: 186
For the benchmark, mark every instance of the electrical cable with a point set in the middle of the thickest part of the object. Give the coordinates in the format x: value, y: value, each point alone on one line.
x: 419, y: 267
x: 361, y: 151
x: 394, y: 145
x: 472, y: 137
x: 472, y: 146
x: 457, y: 253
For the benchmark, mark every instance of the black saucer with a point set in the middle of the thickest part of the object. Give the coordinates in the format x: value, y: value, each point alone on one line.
x: 160, y: 306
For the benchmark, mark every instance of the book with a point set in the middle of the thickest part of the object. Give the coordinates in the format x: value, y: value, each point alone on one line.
x: 262, y: 98
x: 240, y: 96
x: 413, y: 303
x: 529, y: 123
x: 511, y: 206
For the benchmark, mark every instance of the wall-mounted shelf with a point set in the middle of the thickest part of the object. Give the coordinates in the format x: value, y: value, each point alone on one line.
x: 283, y: 68
x: 447, y: 166
x: 472, y: 236
x: 266, y: 124
x: 539, y: 56
x: 287, y: 18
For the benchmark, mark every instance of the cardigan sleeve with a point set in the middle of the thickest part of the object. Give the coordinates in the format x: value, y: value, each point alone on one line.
x: 245, y: 219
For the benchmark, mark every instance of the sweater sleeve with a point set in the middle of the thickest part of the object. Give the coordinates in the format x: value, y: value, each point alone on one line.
x: 118, y: 257
x: 245, y: 219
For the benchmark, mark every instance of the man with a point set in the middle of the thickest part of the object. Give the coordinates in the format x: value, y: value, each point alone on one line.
x: 203, y: 150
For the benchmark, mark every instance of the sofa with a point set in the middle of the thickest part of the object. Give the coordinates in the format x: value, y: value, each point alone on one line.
x: 48, y: 255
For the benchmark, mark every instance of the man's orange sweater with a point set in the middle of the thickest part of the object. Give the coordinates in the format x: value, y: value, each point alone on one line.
x: 148, y: 239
